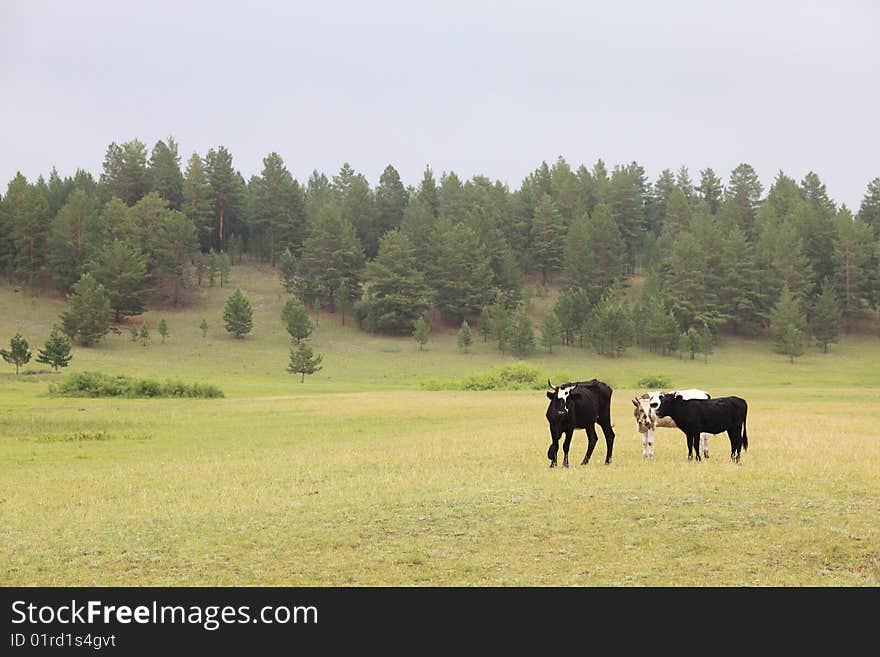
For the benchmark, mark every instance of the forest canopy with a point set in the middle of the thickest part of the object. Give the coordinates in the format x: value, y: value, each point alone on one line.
x: 713, y: 253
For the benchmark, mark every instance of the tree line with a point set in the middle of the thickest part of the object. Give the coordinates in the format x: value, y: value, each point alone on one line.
x: 715, y: 257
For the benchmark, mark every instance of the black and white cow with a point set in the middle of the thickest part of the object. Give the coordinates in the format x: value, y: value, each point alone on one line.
x: 696, y: 416
x: 579, y: 405
x: 647, y: 421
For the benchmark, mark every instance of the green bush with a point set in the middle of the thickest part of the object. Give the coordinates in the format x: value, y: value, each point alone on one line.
x: 515, y: 376
x: 655, y: 382
x: 96, y: 384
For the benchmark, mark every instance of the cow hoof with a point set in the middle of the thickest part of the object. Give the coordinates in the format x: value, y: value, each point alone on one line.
x: 585, y: 462
x: 553, y: 464
x: 565, y: 465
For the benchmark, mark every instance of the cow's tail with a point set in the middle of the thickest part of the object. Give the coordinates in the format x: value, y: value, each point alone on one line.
x: 745, y: 435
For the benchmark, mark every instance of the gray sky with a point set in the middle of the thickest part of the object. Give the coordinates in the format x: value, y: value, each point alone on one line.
x: 475, y: 87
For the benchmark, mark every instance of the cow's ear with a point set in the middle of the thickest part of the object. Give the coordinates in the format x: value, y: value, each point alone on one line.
x: 636, y: 402
x: 549, y: 395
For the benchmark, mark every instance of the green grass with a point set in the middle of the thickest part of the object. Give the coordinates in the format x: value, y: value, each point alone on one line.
x: 359, y: 477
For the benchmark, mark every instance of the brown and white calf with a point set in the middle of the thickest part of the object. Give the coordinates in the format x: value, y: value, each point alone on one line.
x: 647, y: 421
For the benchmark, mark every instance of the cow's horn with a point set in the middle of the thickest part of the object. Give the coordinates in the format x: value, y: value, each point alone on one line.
x: 550, y: 385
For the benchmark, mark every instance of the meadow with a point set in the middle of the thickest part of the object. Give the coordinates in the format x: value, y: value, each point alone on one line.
x: 358, y: 477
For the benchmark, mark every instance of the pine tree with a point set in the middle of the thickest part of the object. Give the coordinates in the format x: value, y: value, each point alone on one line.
x: 227, y: 192
x: 26, y: 218
x: 204, y: 327
x: 173, y: 245
x: 677, y: 217
x: 852, y: 254
x: 790, y: 342
x: 303, y: 361
x: 398, y: 293
x: 869, y: 210
x: 501, y: 321
x: 121, y: 269
x: 744, y: 193
x: 197, y: 200
x: 56, y: 350
x: 278, y: 207
x: 428, y: 192
x: 594, y: 253
x: 163, y: 173
x: 421, y: 330
x: 706, y: 343
x: 391, y: 200
x: 463, y: 278
x: 18, y: 353
x: 547, y: 247
x: 686, y: 266
x: 117, y: 222
x: 87, y: 319
x: 465, y: 338
x: 163, y: 329
x: 788, y: 324
x: 711, y: 189
x: 287, y: 270
x: 571, y: 309
x: 331, y: 254
x: 521, y: 339
x: 125, y: 171
x: 628, y: 214
x: 690, y: 342
x: 224, y: 267
x: 296, y: 320
x: 358, y: 207
x: 551, y: 331
x: 612, y: 326
x: 484, y: 323
x: 238, y: 314
x: 663, y: 188
x: 74, y: 234
x: 740, y: 293
x: 826, y: 316
x: 144, y: 334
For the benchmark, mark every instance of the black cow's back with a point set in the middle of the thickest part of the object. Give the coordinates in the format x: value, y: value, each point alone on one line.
x: 713, y: 415
x: 592, y: 402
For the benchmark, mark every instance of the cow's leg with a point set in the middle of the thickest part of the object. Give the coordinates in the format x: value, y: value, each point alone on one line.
x: 608, y: 432
x: 553, y: 449
x: 645, y: 445
x: 565, y: 446
x: 735, y: 443
x: 690, y: 442
x: 704, y: 444
x: 592, y: 439
x: 696, y: 441
x: 649, y: 444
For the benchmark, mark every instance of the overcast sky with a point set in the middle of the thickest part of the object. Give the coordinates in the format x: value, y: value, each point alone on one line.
x: 475, y: 87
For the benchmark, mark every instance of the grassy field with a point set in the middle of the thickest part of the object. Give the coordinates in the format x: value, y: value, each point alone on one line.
x: 358, y: 477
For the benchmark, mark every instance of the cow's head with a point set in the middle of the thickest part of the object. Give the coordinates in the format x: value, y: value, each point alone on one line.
x: 668, y: 400
x: 644, y: 413
x: 561, y: 399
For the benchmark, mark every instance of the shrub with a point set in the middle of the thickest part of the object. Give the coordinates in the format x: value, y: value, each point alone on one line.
x: 655, y: 382
x: 515, y: 376
x: 96, y: 384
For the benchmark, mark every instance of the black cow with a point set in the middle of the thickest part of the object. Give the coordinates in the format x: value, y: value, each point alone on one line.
x: 695, y: 416
x: 579, y: 406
